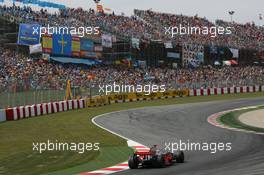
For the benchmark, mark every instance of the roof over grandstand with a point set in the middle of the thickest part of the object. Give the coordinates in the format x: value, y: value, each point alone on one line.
x: 245, y: 11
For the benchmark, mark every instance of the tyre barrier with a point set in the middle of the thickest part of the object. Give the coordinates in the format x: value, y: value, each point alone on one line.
x: 131, y: 97
x: 21, y: 112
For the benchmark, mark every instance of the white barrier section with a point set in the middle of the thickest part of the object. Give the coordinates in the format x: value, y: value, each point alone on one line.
x: 244, y: 89
x: 70, y: 104
x: 2, y: 115
x: 15, y: 113
x: 44, y: 108
x: 257, y: 88
x: 205, y: 92
x: 82, y: 103
x: 225, y: 91
x: 198, y: 92
x: 250, y: 88
x: 27, y: 108
x: 54, y: 107
x: 49, y: 108
x: 237, y: 89
x: 65, y: 105
x: 60, y: 106
x: 38, y: 109
x: 21, y: 112
x: 32, y: 111
x: 212, y: 91
x: 191, y: 92
x: 75, y: 104
x: 232, y: 90
x: 219, y: 91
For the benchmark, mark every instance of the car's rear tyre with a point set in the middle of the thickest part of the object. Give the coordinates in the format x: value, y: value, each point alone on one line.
x: 132, y: 163
x: 179, y: 157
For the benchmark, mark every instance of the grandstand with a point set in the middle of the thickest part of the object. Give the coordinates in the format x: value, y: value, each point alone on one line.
x: 138, y: 51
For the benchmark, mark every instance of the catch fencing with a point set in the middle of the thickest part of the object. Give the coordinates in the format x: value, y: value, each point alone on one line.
x: 21, y: 112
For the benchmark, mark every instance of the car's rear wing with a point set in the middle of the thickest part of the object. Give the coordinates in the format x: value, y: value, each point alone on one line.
x: 143, y: 153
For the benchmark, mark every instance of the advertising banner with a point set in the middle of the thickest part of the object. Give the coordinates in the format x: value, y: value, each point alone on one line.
x: 179, y: 93
x: 118, y: 97
x: 76, y: 46
x: 28, y: 34
x: 47, y: 43
x: 97, y: 101
x: 35, y: 48
x: 173, y: 55
x: 87, y: 44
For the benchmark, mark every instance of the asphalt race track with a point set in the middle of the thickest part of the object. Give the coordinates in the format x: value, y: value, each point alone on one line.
x: 157, y: 125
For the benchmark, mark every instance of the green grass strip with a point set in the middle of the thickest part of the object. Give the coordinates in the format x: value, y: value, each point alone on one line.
x: 231, y: 119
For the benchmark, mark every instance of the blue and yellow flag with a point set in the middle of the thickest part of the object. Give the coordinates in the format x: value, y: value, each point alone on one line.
x: 62, y: 44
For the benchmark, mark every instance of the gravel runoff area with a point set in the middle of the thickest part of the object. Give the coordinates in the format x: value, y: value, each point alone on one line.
x: 253, y: 118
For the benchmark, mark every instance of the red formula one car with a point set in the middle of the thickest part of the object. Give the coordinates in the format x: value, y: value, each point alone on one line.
x: 156, y: 159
